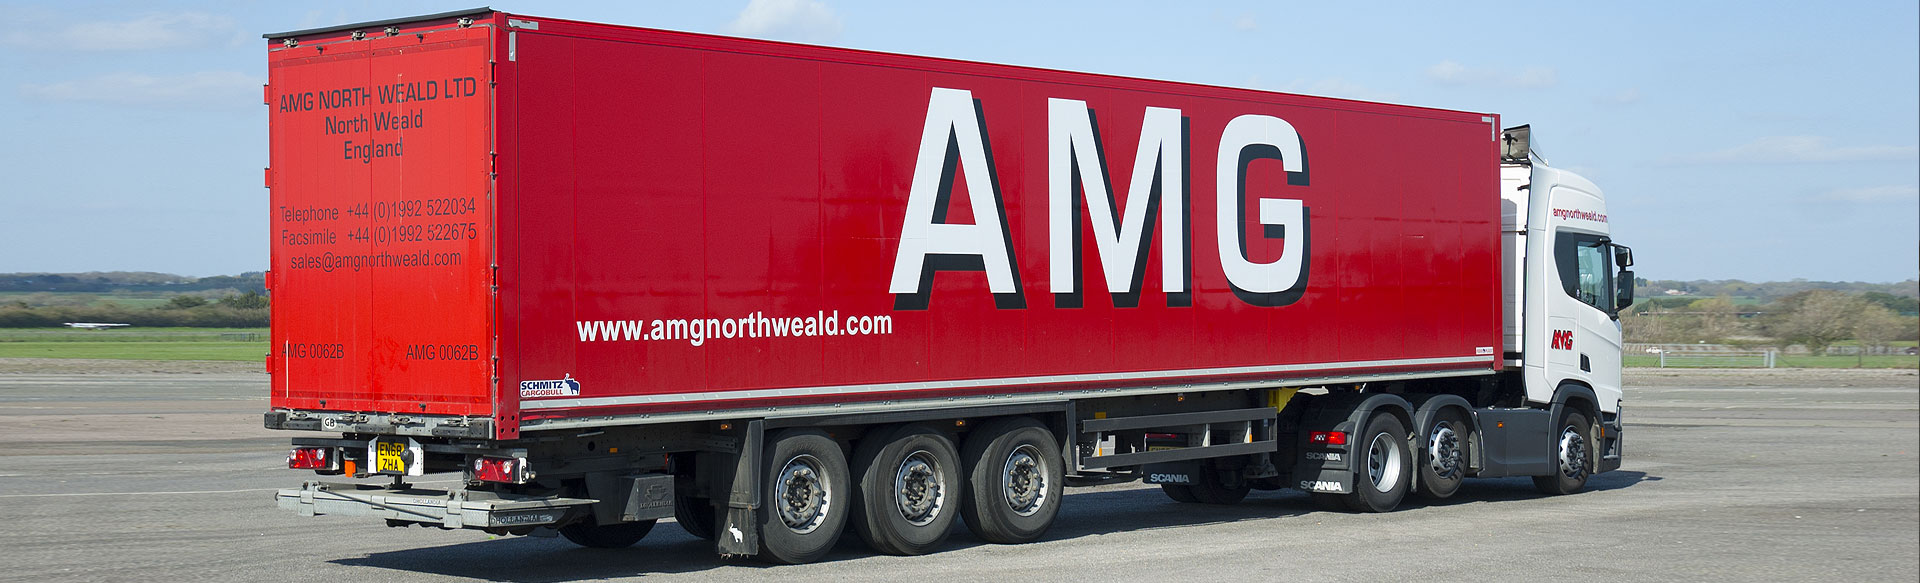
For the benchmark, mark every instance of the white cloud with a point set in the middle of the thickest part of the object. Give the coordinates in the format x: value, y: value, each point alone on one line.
x: 1246, y: 23
x: 1453, y: 73
x: 1628, y: 97
x: 145, y: 33
x: 794, y: 20
x: 1800, y: 150
x: 1872, y: 194
x: 206, y: 89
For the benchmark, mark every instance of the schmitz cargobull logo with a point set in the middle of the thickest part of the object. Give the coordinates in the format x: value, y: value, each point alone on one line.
x: 953, y: 146
x: 566, y: 387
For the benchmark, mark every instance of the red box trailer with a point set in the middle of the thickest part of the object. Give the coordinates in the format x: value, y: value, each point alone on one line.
x: 678, y: 222
x: 488, y: 226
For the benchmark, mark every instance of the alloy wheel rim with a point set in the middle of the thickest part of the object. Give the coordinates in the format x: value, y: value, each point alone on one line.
x: 802, y: 494
x: 918, y: 486
x: 1383, y: 463
x: 1023, y: 480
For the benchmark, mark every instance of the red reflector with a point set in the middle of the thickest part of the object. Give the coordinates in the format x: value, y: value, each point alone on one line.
x: 495, y: 469
x: 1327, y: 437
x: 311, y: 458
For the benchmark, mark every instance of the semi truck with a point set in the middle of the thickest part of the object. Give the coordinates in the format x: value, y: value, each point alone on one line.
x: 590, y: 277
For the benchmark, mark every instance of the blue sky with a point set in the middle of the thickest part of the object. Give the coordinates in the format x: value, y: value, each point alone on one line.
x: 1748, y: 140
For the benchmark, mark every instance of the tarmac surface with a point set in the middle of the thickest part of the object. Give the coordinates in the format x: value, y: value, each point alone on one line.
x: 121, y: 472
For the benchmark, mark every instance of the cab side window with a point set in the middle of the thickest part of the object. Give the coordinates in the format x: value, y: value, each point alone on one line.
x: 1585, y: 268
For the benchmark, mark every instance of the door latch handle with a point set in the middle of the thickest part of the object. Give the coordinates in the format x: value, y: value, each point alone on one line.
x: 1585, y: 365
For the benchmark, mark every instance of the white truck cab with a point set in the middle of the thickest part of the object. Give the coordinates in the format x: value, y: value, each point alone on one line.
x: 1566, y: 280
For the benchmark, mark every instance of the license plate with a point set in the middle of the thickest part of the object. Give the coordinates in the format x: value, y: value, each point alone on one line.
x: 390, y: 457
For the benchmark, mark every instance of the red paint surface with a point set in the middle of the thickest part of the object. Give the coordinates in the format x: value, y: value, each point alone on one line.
x: 377, y: 336
x: 656, y: 175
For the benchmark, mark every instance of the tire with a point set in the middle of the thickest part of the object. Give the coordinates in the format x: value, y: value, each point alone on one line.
x: 909, y: 489
x: 1443, y: 455
x: 805, y: 498
x: 1573, y: 452
x: 606, y: 536
x: 1210, y: 487
x: 1386, y: 466
x: 696, y: 515
x: 1014, y: 480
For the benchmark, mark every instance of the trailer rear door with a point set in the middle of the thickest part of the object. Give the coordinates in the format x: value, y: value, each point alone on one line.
x: 382, y: 220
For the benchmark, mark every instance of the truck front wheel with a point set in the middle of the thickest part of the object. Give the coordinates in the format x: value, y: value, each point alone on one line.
x: 806, y: 495
x: 1014, y: 480
x: 1573, y: 457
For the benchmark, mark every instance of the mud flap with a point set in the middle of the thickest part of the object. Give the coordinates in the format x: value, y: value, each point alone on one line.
x: 1184, y: 473
x: 739, y: 533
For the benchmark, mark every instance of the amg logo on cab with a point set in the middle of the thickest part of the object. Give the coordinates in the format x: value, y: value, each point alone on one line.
x: 1562, y: 340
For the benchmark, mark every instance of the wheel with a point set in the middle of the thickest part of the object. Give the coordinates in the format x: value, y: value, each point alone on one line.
x: 805, y: 499
x: 1014, y: 480
x: 606, y: 536
x: 1443, y: 458
x: 1572, y: 451
x: 1210, y: 486
x: 909, y: 489
x: 1382, y: 481
x: 696, y: 515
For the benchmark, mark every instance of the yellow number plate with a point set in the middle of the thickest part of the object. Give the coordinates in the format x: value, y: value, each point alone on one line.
x: 389, y: 457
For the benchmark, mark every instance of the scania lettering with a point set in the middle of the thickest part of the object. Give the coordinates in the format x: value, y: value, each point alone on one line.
x: 887, y: 295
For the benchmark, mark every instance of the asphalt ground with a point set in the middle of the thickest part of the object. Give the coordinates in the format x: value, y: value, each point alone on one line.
x: 116, y: 472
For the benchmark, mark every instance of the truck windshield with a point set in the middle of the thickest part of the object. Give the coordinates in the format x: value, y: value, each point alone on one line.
x: 1584, y: 268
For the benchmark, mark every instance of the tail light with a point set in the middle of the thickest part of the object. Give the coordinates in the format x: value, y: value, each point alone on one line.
x: 500, y: 469
x: 1327, y: 437
x: 313, y: 458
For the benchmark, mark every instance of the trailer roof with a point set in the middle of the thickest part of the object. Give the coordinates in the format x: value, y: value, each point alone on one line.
x: 374, y: 23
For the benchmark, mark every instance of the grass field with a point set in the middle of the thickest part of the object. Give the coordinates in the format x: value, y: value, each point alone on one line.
x: 1803, y: 361
x: 212, y: 350
x: 135, y: 343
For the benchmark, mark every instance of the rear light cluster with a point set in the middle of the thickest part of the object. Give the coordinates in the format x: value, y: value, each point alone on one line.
x: 313, y: 458
x: 500, y: 469
x: 1327, y: 437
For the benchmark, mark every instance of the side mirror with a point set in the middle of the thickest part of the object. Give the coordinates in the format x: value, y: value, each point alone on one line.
x: 1623, y: 288
x: 1622, y: 256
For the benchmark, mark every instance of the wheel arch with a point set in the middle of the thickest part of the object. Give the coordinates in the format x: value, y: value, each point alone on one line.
x: 1432, y: 406
x: 1577, y: 396
x: 1356, y: 418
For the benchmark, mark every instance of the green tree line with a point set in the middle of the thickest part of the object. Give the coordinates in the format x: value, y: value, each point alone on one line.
x: 1815, y: 319
x: 248, y: 310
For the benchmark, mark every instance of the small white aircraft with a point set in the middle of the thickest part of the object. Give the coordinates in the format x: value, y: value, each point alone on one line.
x: 94, y: 325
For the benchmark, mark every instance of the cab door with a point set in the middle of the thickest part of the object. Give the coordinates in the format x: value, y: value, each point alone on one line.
x: 1585, y: 338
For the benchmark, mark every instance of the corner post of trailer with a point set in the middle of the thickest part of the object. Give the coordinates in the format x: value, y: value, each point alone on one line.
x: 739, y: 532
